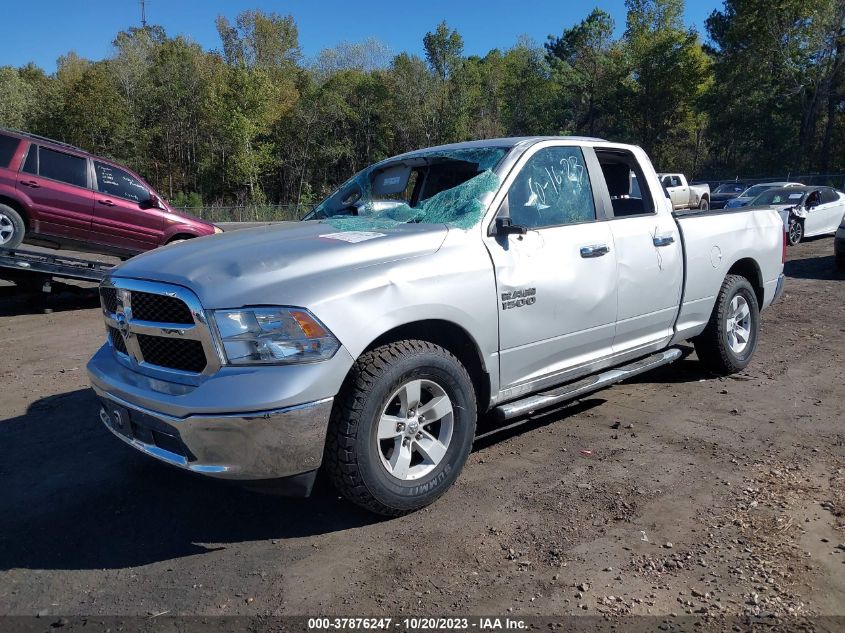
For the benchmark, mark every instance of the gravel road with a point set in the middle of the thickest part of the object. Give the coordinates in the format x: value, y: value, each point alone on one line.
x: 677, y: 492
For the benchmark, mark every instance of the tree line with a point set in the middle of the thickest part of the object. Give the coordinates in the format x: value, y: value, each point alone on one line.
x: 254, y: 122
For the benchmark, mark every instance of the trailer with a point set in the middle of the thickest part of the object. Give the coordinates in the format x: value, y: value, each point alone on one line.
x: 35, y: 272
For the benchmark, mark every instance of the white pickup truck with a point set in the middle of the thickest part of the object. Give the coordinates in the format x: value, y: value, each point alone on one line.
x: 501, y: 276
x: 685, y: 195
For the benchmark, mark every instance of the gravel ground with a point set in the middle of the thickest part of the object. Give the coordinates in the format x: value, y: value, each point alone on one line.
x: 677, y: 492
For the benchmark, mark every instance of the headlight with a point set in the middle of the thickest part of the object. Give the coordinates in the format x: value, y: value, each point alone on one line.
x: 217, y: 230
x: 273, y: 336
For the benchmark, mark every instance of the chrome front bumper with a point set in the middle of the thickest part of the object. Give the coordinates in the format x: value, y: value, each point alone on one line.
x: 248, y: 446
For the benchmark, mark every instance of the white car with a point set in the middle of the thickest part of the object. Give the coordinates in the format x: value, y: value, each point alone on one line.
x: 805, y: 211
x: 755, y: 190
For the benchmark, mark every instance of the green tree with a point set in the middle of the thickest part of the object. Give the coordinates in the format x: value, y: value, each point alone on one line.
x: 668, y: 75
x: 587, y: 65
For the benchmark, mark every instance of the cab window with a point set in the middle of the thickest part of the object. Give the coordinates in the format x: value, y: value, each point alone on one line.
x: 552, y: 189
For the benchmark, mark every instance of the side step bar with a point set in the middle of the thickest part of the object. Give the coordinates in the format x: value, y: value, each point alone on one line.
x: 572, y: 390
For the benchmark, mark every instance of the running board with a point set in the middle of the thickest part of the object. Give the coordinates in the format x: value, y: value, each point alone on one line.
x: 572, y: 390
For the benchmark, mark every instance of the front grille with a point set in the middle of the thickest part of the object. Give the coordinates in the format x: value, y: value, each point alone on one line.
x: 160, y: 308
x: 117, y: 340
x: 109, y: 298
x: 173, y: 353
x: 159, y: 327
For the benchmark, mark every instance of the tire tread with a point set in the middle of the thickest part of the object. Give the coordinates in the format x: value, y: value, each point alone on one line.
x: 710, y: 345
x: 340, y: 460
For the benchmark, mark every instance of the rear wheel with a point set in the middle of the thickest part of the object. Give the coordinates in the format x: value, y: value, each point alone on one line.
x: 12, y: 227
x: 730, y: 338
x: 704, y: 204
x: 402, y: 427
x: 795, y: 232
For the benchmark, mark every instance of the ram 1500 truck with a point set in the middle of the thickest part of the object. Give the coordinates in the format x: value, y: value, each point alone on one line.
x: 500, y: 276
x: 685, y: 195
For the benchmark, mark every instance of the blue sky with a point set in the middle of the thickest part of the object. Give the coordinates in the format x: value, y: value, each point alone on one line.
x: 41, y: 30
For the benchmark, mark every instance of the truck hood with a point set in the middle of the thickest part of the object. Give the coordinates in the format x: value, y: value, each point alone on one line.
x: 251, y: 266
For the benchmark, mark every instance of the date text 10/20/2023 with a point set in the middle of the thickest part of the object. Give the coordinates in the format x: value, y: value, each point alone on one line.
x: 416, y: 624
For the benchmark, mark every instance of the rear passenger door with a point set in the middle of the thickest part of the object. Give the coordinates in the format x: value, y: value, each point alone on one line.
x: 122, y: 217
x: 556, y: 283
x: 649, y: 256
x: 58, y: 185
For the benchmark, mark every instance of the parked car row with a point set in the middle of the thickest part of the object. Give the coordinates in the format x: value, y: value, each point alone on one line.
x: 806, y: 211
x: 57, y: 195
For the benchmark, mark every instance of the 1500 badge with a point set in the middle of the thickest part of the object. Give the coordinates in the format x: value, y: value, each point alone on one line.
x: 518, y: 298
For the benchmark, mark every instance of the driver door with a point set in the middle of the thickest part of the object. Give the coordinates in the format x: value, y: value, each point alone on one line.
x: 556, y: 283
x: 120, y: 219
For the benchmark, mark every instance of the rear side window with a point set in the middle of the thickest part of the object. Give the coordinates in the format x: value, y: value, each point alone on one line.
x: 62, y: 167
x: 30, y: 165
x: 119, y: 183
x: 8, y: 145
x: 626, y: 183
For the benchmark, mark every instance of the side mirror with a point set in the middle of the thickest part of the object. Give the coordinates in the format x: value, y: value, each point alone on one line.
x: 153, y: 202
x: 504, y: 226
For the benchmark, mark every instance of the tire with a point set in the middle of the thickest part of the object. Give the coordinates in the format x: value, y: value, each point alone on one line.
x: 840, y: 263
x: 380, y: 391
x: 795, y: 232
x: 720, y: 346
x: 704, y: 204
x: 12, y: 227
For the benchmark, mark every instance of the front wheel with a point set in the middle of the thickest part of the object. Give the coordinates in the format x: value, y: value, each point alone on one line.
x: 730, y: 338
x: 402, y: 427
x: 795, y: 232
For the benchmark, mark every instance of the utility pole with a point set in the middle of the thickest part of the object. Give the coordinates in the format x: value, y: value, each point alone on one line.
x: 143, y: 13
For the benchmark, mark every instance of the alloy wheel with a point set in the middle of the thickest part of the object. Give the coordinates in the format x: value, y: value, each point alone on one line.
x: 738, y: 325
x: 415, y: 429
x: 7, y: 229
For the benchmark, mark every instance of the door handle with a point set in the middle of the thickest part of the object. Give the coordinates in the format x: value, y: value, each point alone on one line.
x: 31, y: 183
x: 596, y: 250
x: 108, y: 203
x: 663, y: 241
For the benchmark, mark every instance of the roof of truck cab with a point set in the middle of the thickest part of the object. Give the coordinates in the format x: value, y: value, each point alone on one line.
x: 506, y: 142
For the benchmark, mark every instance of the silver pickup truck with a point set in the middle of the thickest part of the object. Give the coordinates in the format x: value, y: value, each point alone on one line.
x: 496, y: 277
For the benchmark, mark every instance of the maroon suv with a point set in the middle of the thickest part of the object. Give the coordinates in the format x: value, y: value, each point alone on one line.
x: 58, y: 195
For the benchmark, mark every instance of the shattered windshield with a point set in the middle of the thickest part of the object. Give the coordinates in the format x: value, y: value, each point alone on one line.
x: 430, y: 186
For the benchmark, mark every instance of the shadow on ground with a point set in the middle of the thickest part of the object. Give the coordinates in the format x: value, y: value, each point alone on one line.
x: 75, y: 497
x: 15, y: 301
x: 821, y: 267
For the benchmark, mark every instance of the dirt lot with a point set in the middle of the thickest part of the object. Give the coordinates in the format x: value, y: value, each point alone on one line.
x: 700, y: 495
